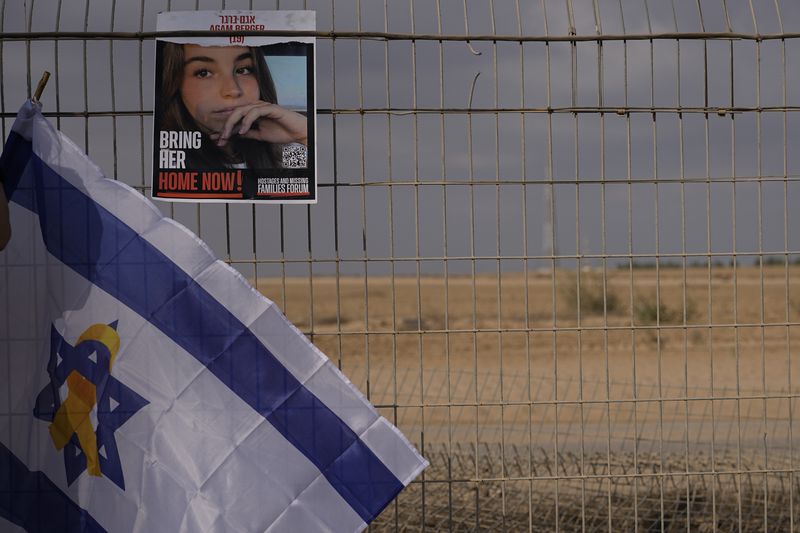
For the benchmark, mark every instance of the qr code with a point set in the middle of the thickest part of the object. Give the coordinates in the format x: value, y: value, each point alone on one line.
x: 295, y: 155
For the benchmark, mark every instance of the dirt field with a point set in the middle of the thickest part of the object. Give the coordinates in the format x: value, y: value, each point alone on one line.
x: 517, y: 339
x: 608, y: 414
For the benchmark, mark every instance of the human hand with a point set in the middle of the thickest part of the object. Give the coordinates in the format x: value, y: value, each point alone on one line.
x: 263, y: 121
x: 5, y: 226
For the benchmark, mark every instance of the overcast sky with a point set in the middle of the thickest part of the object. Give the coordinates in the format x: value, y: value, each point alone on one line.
x: 502, y: 151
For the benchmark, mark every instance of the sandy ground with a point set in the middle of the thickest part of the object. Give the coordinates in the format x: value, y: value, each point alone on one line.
x: 510, y: 355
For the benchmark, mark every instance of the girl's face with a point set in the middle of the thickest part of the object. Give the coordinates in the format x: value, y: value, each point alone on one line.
x: 217, y: 80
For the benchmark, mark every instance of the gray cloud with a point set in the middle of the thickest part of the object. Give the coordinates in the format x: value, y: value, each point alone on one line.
x: 511, y: 219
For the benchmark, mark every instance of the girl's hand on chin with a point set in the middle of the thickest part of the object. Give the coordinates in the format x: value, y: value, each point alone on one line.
x: 263, y: 121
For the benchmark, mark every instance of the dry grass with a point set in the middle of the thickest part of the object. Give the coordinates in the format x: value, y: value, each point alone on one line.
x: 740, y: 321
x: 590, y: 495
x: 619, y: 401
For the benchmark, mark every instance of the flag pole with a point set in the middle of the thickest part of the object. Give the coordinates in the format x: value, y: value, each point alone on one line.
x: 40, y: 87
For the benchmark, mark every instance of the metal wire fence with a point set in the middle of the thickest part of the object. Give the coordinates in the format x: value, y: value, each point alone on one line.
x: 555, y: 241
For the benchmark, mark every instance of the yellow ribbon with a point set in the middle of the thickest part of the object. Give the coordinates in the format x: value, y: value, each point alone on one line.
x: 72, y: 418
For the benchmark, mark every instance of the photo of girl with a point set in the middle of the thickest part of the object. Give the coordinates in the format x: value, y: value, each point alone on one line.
x: 233, y: 117
x: 228, y: 94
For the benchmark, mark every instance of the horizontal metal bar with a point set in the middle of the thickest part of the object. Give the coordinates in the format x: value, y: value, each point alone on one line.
x: 558, y: 181
x: 608, y: 401
x: 402, y: 111
x: 528, y: 330
x: 602, y: 110
x: 532, y: 181
x: 552, y: 329
x: 600, y: 477
x: 85, y: 114
x: 395, y: 36
x: 547, y: 402
x: 430, y: 258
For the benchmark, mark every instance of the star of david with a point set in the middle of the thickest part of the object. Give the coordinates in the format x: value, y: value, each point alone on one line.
x: 116, y: 403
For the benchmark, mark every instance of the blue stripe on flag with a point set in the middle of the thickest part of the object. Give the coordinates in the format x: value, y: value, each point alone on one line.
x: 33, y: 502
x: 104, y: 250
x: 13, y: 160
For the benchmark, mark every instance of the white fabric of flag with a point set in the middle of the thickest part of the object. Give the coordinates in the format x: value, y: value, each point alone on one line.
x: 148, y: 387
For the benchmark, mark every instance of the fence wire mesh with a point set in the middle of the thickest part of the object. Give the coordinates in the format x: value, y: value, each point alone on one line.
x: 556, y: 242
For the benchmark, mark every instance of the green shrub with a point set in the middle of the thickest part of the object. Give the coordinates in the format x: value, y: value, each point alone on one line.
x: 594, y: 297
x: 647, y: 311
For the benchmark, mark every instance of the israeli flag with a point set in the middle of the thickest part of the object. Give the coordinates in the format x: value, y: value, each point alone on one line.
x: 146, y: 386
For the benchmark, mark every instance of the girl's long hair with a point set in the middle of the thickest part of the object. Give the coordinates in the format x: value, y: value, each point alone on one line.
x: 174, y: 115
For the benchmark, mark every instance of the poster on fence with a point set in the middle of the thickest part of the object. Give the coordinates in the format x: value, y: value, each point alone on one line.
x: 234, y: 115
